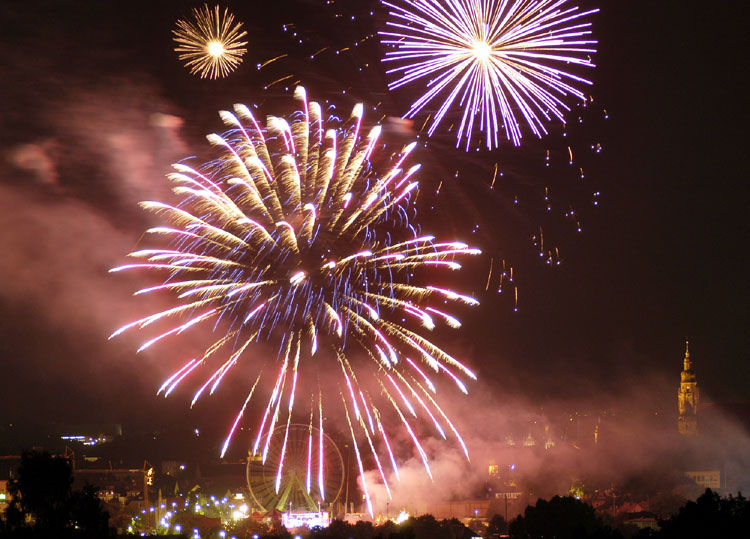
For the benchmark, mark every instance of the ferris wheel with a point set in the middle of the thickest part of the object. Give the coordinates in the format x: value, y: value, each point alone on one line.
x: 302, y: 485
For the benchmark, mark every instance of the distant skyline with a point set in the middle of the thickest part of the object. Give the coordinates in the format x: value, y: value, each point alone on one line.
x: 94, y: 106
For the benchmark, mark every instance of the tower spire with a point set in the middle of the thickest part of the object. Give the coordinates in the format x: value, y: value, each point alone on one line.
x: 688, y: 397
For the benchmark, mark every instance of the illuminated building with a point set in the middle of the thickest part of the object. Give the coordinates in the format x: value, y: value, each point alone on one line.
x: 688, y: 398
x: 88, y: 434
x: 706, y: 478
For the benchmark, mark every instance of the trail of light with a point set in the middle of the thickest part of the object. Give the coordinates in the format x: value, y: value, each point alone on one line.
x: 351, y: 390
x: 237, y: 419
x: 178, y: 329
x: 359, y: 459
x: 438, y: 427
x: 447, y: 420
x: 175, y: 375
x: 275, y: 415
x: 271, y: 401
x: 321, y: 485
x: 335, y: 316
x: 367, y: 411
x: 413, y: 436
x: 450, y: 294
x: 495, y: 55
x: 143, y: 322
x: 377, y: 458
x: 422, y: 374
x: 294, y: 240
x: 180, y: 378
x: 403, y: 397
x: 387, y: 445
x: 232, y: 361
x: 309, y: 449
x: 253, y: 313
x: 289, y: 416
x: 450, y: 320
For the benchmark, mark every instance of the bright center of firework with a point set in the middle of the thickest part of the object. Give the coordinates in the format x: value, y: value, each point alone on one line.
x: 482, y: 50
x: 215, y: 48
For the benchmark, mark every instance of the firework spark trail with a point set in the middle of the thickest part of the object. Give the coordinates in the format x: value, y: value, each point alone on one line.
x: 210, y: 43
x: 321, y: 484
x: 493, y: 58
x: 359, y: 458
x: 290, y: 237
x: 387, y: 445
x: 289, y: 418
x: 237, y: 419
x: 308, y: 476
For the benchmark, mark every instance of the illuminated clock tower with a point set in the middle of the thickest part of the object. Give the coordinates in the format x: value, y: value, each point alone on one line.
x: 687, y: 398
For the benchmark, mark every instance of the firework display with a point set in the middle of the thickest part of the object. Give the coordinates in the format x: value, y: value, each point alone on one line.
x: 503, y: 62
x: 300, y: 234
x: 210, y: 43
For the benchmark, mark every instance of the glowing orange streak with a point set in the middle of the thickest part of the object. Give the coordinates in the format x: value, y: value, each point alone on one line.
x: 237, y: 420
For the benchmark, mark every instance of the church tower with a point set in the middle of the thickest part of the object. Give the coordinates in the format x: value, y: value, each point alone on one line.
x: 687, y: 398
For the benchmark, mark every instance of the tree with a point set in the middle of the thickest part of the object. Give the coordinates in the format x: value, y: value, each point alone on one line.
x: 561, y: 518
x: 497, y: 526
x: 709, y: 516
x: 42, y: 499
x: 41, y: 490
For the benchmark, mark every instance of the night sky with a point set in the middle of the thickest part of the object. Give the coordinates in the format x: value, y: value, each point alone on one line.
x: 94, y: 106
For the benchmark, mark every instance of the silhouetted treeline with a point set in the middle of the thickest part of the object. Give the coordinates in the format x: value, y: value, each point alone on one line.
x: 44, y: 504
x: 709, y: 516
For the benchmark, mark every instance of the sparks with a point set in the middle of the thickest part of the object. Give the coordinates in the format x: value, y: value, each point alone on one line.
x: 295, y: 238
x: 210, y: 43
x: 493, y: 58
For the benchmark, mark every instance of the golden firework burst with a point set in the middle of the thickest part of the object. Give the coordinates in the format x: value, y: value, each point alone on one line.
x: 210, y: 43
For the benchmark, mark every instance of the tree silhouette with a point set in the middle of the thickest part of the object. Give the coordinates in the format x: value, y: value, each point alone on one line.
x: 709, y: 516
x: 43, y: 503
x: 561, y: 518
x: 497, y: 526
